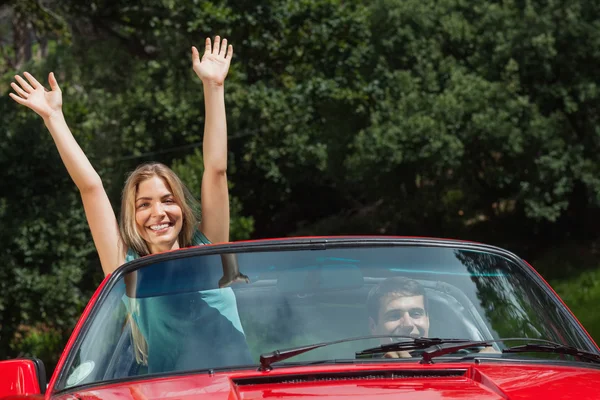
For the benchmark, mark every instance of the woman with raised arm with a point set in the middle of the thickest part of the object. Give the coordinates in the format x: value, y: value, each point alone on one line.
x: 156, y: 213
x: 157, y: 210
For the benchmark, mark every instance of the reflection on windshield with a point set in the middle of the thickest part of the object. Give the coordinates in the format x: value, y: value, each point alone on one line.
x: 509, y: 306
x: 223, y: 311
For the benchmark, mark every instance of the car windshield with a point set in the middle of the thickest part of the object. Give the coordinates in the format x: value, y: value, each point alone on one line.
x: 171, y: 315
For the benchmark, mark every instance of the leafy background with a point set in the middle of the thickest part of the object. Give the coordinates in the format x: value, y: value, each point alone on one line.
x: 471, y: 119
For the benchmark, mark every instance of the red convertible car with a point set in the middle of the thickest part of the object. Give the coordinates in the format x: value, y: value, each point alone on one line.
x: 362, y: 317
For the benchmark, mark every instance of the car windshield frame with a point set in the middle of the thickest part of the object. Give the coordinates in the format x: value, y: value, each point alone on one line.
x: 295, y: 244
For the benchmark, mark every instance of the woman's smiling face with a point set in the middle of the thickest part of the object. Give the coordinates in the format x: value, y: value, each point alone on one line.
x: 157, y: 215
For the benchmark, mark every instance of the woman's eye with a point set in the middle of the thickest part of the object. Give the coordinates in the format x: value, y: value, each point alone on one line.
x: 142, y: 205
x: 169, y: 201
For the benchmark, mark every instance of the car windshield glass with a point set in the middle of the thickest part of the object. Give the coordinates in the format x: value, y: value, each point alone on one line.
x: 171, y: 315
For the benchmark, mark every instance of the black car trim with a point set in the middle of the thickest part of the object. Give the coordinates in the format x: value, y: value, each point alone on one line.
x: 308, y: 377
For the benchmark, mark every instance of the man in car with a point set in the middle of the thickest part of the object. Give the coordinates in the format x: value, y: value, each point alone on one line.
x: 398, y: 306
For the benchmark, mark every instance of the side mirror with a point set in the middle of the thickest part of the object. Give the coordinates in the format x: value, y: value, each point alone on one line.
x: 22, y: 377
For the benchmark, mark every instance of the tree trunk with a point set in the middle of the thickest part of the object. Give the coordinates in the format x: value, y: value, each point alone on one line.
x: 21, y: 39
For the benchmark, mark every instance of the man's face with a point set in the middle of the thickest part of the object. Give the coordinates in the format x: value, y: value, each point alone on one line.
x: 401, y: 315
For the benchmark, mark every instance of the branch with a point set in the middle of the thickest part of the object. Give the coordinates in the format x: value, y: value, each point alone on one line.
x: 133, y: 44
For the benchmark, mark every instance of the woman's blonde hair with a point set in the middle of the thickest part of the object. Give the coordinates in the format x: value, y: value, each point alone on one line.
x: 189, y: 206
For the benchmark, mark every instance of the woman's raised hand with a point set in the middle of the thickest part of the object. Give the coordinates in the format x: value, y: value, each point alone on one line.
x: 215, y: 62
x: 33, y: 95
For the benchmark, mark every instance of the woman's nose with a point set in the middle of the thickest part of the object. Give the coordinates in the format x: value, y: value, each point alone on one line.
x: 157, y: 209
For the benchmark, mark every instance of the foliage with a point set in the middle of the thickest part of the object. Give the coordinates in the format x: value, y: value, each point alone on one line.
x: 582, y: 294
x: 467, y: 109
x: 451, y: 118
x: 42, y: 273
x: 40, y: 342
x: 190, y: 170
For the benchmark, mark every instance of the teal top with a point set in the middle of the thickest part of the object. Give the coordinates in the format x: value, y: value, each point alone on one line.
x: 190, y: 330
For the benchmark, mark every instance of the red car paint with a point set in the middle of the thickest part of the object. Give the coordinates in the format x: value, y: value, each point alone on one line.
x: 482, y: 382
x: 17, y: 376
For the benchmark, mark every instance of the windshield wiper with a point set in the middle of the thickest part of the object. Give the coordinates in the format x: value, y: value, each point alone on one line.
x: 442, y: 347
x: 414, y: 344
x: 554, y: 348
x: 546, y: 346
x: 411, y: 342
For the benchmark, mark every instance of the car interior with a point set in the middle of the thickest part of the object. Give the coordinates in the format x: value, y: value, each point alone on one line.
x: 297, y: 307
x: 275, y: 319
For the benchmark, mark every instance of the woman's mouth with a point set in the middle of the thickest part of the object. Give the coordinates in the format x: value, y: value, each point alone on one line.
x: 160, y: 228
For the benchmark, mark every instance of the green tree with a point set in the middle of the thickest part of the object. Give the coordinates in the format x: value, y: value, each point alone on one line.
x: 469, y: 119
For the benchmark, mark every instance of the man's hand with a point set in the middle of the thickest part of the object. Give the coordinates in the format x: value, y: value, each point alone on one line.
x: 213, y: 67
x: 489, y: 349
x: 397, y: 354
x: 406, y: 354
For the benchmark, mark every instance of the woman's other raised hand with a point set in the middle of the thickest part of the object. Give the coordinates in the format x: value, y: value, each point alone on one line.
x: 32, y: 94
x: 214, y: 65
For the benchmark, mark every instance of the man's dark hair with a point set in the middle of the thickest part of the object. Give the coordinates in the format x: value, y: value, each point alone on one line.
x: 398, y: 286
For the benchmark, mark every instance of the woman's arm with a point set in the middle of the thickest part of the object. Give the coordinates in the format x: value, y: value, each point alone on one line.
x: 98, y: 210
x: 212, y: 70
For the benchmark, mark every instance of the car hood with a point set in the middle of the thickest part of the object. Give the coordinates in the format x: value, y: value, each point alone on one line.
x: 439, y: 381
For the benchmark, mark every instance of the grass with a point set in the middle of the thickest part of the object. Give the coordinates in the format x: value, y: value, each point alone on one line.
x: 573, y: 270
x: 582, y: 295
